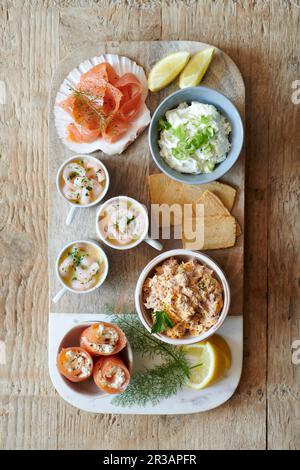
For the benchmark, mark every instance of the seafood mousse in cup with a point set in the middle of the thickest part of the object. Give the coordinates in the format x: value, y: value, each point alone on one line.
x: 81, y: 267
x: 83, y: 181
x: 123, y: 223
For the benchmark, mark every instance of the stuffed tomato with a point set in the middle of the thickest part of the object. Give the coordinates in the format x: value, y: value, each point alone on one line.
x: 111, y: 375
x: 103, y: 339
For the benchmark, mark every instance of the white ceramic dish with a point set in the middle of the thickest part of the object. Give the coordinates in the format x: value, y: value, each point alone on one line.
x: 65, y: 287
x: 185, y: 401
x: 121, y: 65
x: 88, y: 387
x: 74, y: 206
x: 154, y: 243
x: 185, y: 255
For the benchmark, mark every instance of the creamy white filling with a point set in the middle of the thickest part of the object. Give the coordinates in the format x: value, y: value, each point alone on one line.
x: 107, y: 333
x: 201, y: 161
x: 78, y: 361
x: 102, y: 348
x: 117, y: 375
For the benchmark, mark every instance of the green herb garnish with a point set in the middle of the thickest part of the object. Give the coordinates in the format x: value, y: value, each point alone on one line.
x: 73, y: 175
x: 205, y: 120
x: 163, y: 124
x: 188, y: 145
x: 180, y: 132
x: 163, y: 380
x: 92, y: 102
x: 76, y: 257
x: 196, y: 365
x: 152, y: 385
x: 130, y: 219
x: 161, y: 322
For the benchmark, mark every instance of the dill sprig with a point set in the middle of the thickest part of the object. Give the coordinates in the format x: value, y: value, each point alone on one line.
x: 145, y: 344
x: 91, y: 102
x: 76, y: 256
x: 159, y: 382
x: 152, y: 385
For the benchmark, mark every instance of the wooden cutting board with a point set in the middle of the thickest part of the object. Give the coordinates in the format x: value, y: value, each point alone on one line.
x: 129, y: 176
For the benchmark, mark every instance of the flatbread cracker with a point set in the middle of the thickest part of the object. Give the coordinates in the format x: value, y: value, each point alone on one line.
x: 219, y: 232
x: 164, y: 190
x: 223, y: 191
x: 212, y: 204
x: 238, y: 229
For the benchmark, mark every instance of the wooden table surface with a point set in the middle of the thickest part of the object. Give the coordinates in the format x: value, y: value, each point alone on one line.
x: 262, y: 37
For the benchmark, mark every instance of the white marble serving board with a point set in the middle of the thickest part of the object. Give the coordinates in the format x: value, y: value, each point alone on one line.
x: 184, y: 402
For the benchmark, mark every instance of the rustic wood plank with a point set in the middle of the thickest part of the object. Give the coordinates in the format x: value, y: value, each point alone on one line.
x: 283, y: 231
x: 261, y: 38
x: 29, y: 42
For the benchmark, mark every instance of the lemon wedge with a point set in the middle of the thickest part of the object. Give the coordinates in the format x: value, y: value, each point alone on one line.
x: 196, y: 68
x: 166, y: 70
x: 220, y: 342
x: 208, y: 362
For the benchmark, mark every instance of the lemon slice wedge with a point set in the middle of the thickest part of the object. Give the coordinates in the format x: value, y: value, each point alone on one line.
x: 166, y: 70
x: 196, y: 68
x: 208, y: 363
x: 220, y: 342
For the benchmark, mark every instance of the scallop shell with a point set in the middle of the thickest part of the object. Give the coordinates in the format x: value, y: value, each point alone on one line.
x: 62, y: 118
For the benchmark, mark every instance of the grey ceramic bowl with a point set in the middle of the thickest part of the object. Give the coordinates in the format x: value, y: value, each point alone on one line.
x: 224, y: 106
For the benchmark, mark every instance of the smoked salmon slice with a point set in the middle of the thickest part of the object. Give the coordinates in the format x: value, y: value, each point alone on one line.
x: 81, y: 134
x: 103, y: 339
x: 102, y: 104
x: 131, y: 88
x: 102, y: 71
x: 115, y: 129
x: 111, y: 375
x: 75, y: 364
x: 68, y: 104
x: 111, y: 100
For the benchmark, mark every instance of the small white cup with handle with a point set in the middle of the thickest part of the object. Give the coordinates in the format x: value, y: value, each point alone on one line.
x: 104, y: 269
x: 112, y: 213
x: 65, y: 189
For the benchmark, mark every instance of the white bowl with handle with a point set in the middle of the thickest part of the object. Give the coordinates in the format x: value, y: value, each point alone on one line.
x: 67, y: 288
x: 74, y: 206
x: 144, y: 236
